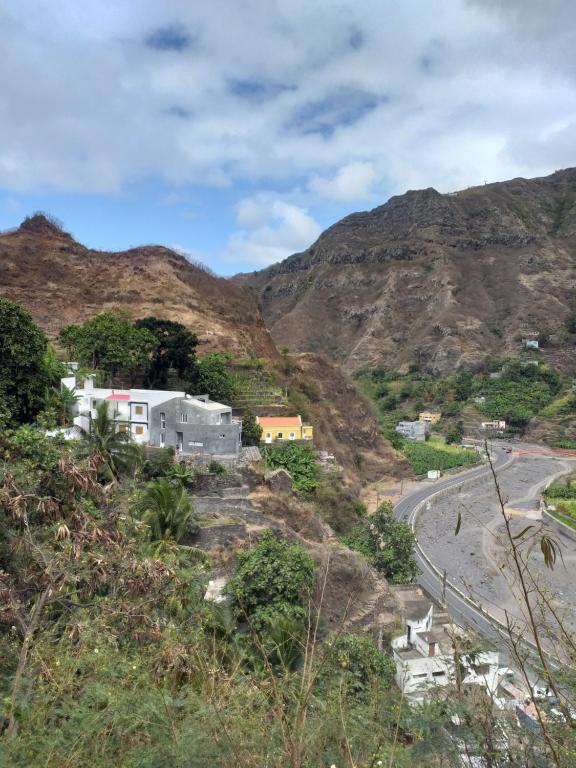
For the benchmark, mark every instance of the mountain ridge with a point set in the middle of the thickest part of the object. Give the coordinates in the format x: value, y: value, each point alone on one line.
x: 441, y: 280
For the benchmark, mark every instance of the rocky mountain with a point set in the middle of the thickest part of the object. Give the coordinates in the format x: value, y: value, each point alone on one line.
x: 443, y: 280
x: 61, y: 281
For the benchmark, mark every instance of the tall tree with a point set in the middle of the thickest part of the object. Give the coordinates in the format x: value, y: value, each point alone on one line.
x: 176, y: 349
x: 24, y: 369
x: 215, y: 379
x: 110, y: 343
x: 113, y: 452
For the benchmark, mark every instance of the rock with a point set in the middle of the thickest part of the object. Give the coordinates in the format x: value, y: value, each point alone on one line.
x: 279, y: 480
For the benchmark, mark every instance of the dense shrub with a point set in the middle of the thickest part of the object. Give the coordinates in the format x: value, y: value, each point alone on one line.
x: 273, y: 578
x: 387, y: 543
x: 298, y: 460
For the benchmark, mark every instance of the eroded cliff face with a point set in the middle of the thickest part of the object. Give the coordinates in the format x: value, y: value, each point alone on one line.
x: 61, y: 281
x: 442, y: 280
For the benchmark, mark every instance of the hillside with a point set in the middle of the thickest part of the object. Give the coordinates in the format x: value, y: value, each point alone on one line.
x: 442, y: 280
x: 61, y: 281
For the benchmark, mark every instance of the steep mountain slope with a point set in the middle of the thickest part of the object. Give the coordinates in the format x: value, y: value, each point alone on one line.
x: 442, y: 280
x: 62, y: 282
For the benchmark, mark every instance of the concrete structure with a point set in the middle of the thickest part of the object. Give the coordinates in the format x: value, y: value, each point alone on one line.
x: 425, y: 657
x: 193, y: 425
x: 284, y: 429
x: 530, y: 343
x: 498, y: 424
x: 412, y: 430
x: 429, y: 417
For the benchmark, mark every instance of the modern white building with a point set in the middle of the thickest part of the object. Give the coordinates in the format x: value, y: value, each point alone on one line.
x: 425, y: 658
x: 192, y: 425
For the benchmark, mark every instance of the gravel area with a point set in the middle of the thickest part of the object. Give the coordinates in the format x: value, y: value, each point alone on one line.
x: 475, y: 560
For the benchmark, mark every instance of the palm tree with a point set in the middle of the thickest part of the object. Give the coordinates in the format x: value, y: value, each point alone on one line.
x: 62, y: 401
x: 166, y: 509
x: 113, y: 452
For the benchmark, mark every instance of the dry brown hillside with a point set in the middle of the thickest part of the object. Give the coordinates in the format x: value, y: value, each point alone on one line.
x: 441, y: 280
x: 61, y: 281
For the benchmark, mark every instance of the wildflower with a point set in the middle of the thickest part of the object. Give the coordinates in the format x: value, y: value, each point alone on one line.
x: 96, y: 650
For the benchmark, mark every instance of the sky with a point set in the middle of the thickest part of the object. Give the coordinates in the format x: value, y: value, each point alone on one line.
x: 236, y: 131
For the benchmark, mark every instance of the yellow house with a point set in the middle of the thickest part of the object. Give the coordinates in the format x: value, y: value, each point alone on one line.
x: 284, y: 428
x: 429, y: 417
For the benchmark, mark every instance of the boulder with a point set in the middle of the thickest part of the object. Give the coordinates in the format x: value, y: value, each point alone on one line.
x: 279, y: 480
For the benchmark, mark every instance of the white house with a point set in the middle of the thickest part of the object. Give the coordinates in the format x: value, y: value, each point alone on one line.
x: 498, y: 424
x: 425, y: 658
x: 195, y: 426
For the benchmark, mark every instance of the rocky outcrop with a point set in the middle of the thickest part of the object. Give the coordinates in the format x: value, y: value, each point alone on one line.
x: 444, y: 281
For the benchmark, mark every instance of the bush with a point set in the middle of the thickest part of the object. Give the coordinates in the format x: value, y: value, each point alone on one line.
x: 298, y: 460
x: 358, y: 666
x: 159, y: 463
x: 387, y: 543
x: 273, y: 578
x: 216, y: 468
x: 560, y: 491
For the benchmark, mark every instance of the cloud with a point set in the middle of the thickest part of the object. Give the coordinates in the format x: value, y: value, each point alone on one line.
x: 351, y: 182
x: 170, y: 38
x: 339, y: 99
x: 270, y: 230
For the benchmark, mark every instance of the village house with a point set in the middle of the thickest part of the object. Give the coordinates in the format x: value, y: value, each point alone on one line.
x: 284, y: 428
x: 497, y: 424
x: 195, y: 426
x: 412, y: 430
x: 429, y: 417
x: 425, y: 657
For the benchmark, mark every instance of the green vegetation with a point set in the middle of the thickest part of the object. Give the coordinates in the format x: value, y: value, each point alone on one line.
x: 111, y: 453
x: 387, y: 543
x: 298, y: 460
x: 274, y: 578
x: 437, y: 455
x: 175, y: 349
x: 165, y: 508
x: 110, y: 343
x: 145, y: 352
x: 27, y: 366
x: 251, y: 430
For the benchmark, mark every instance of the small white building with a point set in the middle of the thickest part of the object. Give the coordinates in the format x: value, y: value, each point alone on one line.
x: 412, y: 430
x: 425, y: 658
x: 498, y: 424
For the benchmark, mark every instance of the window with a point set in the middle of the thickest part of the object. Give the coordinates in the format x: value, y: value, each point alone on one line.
x: 139, y: 410
x: 139, y: 430
x: 222, y: 434
x: 195, y: 444
x: 292, y: 435
x: 121, y: 427
x: 438, y: 674
x: 162, y: 421
x: 184, y: 418
x: 280, y: 436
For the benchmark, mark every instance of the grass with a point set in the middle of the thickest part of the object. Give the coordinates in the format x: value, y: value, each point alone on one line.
x: 567, y: 520
x: 435, y: 454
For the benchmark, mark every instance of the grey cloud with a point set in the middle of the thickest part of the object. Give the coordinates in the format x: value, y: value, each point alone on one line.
x: 173, y: 37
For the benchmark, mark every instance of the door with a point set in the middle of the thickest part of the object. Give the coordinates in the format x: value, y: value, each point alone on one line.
x: 268, y: 437
x: 179, y: 441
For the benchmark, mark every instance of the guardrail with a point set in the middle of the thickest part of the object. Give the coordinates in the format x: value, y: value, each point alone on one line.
x: 474, y: 604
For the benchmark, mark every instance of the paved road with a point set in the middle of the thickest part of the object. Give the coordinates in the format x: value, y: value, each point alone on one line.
x: 462, y: 609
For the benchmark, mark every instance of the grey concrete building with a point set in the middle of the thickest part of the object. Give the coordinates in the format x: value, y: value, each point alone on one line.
x: 412, y: 430
x: 195, y: 426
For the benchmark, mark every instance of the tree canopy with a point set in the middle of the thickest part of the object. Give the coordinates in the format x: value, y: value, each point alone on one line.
x: 387, y: 543
x: 110, y: 343
x: 176, y: 348
x: 26, y: 366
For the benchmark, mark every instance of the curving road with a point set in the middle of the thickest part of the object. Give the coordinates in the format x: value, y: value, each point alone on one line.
x: 465, y: 611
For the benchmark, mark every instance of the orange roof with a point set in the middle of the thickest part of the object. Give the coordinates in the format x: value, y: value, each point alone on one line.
x: 279, y: 421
